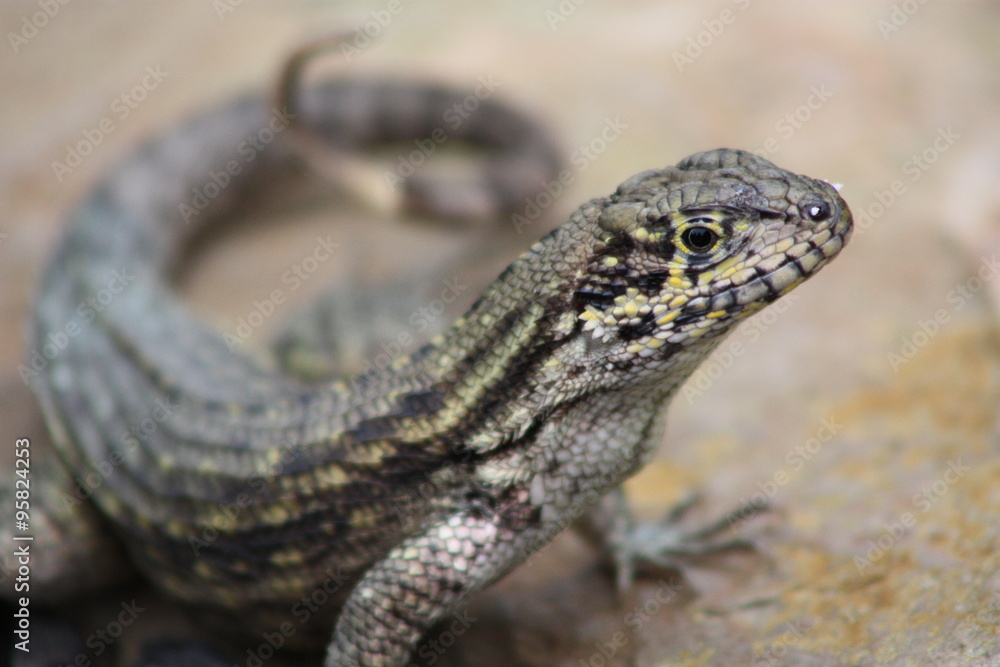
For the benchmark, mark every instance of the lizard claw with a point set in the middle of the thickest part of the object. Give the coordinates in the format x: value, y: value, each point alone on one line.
x: 651, y: 547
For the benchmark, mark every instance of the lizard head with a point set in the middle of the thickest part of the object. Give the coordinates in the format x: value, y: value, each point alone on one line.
x: 683, y: 254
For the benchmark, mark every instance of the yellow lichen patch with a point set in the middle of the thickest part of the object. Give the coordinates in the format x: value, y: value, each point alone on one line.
x: 918, y: 577
x: 963, y: 359
x: 704, y: 658
x: 883, y: 610
x: 660, y: 484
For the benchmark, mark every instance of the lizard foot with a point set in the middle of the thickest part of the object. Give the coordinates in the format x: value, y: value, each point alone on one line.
x: 649, y: 547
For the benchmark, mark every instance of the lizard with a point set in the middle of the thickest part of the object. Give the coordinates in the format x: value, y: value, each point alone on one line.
x: 400, y: 493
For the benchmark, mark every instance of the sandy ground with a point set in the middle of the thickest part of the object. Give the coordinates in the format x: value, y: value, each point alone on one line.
x: 864, y: 407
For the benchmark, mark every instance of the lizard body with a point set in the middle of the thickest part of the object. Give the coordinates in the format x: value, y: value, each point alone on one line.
x: 404, y: 492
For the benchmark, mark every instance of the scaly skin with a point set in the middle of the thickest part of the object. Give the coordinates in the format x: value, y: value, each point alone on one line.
x: 405, y: 492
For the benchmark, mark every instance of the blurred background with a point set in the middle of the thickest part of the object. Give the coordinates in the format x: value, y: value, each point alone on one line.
x: 863, y: 407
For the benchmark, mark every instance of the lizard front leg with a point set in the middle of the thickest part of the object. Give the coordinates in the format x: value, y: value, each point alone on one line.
x: 422, y: 580
x: 523, y: 497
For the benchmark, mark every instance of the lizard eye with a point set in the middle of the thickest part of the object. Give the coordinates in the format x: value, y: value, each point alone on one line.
x: 699, y: 239
x: 815, y: 210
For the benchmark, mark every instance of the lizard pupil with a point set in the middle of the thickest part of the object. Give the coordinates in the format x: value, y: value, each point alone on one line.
x: 699, y: 239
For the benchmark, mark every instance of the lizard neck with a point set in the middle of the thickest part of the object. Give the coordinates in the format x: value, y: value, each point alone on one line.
x: 520, y: 356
